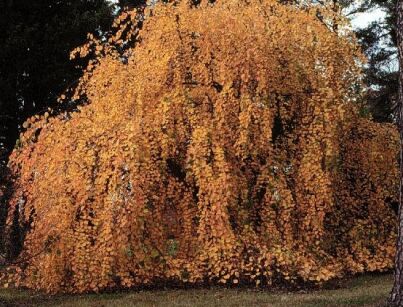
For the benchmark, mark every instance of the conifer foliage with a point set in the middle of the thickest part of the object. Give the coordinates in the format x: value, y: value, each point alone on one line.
x: 217, y: 143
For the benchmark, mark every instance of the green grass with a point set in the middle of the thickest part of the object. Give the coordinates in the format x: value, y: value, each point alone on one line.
x: 367, y: 290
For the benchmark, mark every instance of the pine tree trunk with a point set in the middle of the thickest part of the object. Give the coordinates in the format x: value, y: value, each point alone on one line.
x: 396, y: 296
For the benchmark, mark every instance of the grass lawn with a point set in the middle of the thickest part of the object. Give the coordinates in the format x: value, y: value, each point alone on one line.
x: 367, y: 290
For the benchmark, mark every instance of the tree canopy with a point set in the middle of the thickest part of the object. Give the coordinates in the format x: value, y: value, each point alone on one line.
x: 218, y: 143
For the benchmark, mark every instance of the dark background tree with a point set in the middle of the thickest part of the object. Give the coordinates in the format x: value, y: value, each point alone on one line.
x: 378, y: 41
x: 130, y: 3
x: 396, y: 297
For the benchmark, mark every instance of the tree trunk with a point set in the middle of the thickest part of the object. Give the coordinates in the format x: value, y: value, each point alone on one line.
x: 335, y: 8
x: 396, y: 296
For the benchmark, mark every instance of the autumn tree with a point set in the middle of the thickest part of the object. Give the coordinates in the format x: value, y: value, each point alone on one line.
x: 236, y: 155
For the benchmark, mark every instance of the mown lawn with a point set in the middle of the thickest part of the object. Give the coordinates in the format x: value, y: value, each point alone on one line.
x: 368, y: 290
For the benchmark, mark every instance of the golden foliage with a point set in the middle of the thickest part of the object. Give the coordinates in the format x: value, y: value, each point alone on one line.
x: 223, y: 147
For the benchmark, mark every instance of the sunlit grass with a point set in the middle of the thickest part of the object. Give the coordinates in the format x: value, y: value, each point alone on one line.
x: 368, y: 290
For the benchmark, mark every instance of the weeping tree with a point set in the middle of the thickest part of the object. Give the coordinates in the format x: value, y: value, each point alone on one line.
x: 213, y: 143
